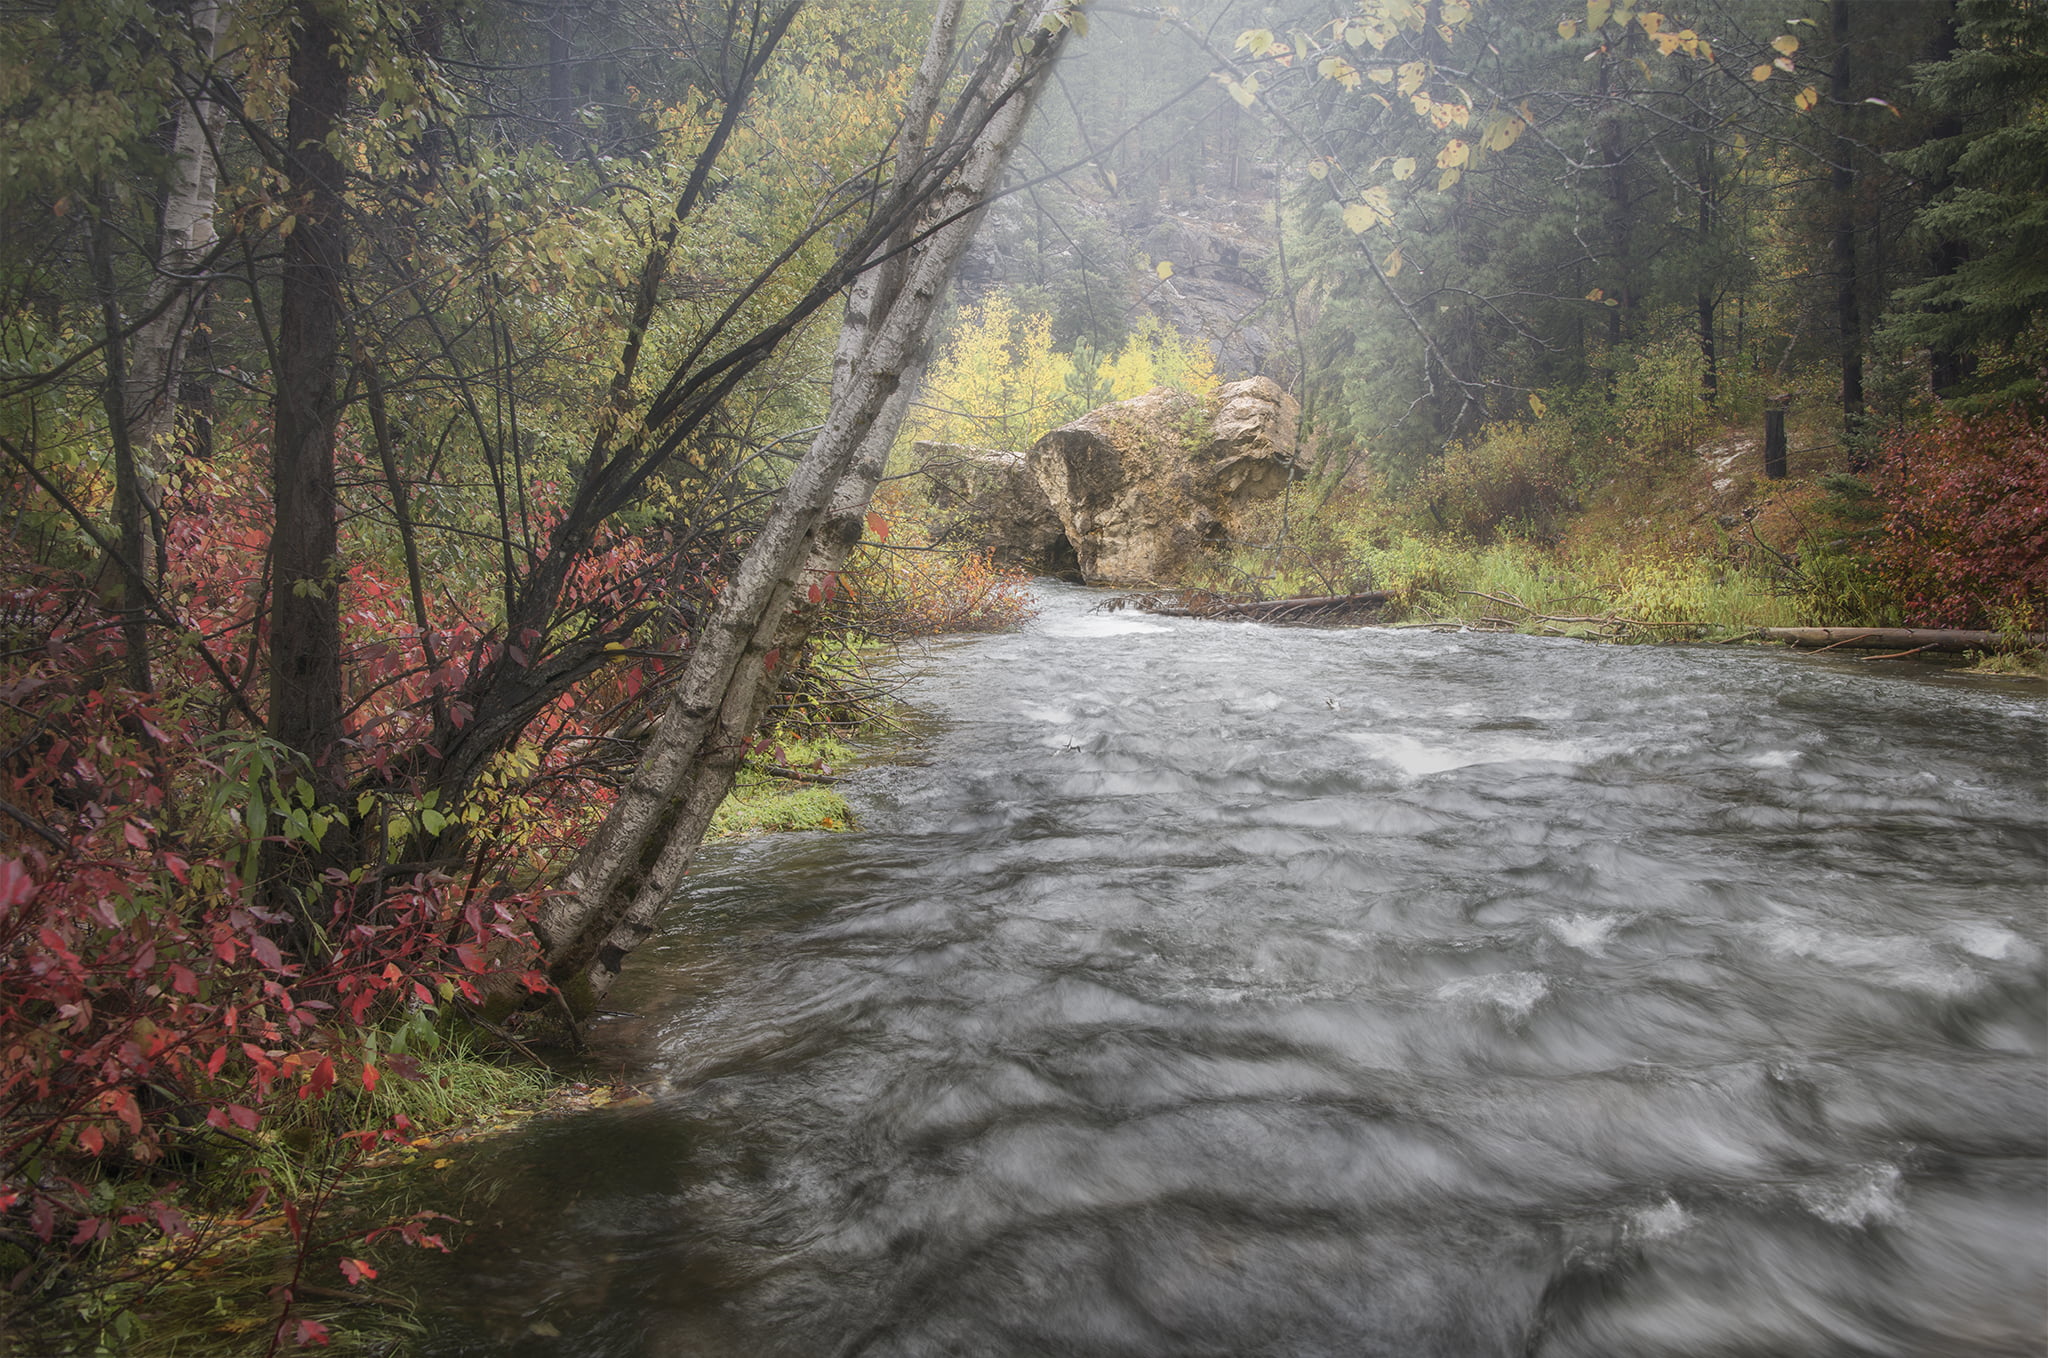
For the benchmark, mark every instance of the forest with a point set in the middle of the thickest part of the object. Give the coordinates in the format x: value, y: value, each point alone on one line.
x: 448, y: 443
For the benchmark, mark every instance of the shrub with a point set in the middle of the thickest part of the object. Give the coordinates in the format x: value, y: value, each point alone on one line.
x: 1966, y: 531
x: 1512, y: 480
x: 908, y: 586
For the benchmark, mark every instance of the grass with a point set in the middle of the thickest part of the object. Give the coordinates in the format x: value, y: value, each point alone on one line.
x: 765, y: 802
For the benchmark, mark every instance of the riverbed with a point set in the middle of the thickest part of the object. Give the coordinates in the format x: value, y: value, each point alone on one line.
x: 1199, y: 988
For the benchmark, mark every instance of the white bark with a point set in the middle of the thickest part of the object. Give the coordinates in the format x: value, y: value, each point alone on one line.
x: 634, y: 862
x: 156, y: 352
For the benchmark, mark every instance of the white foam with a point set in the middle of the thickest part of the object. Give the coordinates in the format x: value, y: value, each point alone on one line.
x: 1659, y: 1221
x: 1993, y: 942
x: 1871, y: 1196
x: 1773, y: 759
x: 1887, y: 959
x: 1587, y: 933
x: 1102, y: 625
x: 1419, y: 759
x: 1514, y: 992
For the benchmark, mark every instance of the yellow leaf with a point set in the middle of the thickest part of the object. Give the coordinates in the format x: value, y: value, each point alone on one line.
x: 1257, y: 41
x: 443, y: 1163
x: 1568, y: 28
x: 1380, y: 75
x: 1760, y: 73
x: 1360, y: 218
x: 1393, y: 265
x: 1806, y: 99
x: 1536, y: 405
x: 1597, y: 12
x: 1244, y: 93
x: 1784, y: 64
x: 1318, y: 169
x: 1455, y: 12
x: 1596, y: 294
x: 1455, y: 153
x: 1413, y: 73
x: 1404, y: 168
x: 1448, y: 178
x: 1651, y: 20
x: 1502, y: 132
x: 1785, y: 44
x: 1164, y: 268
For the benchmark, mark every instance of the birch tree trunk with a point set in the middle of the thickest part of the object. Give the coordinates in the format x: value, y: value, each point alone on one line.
x: 157, y: 352
x: 632, y: 865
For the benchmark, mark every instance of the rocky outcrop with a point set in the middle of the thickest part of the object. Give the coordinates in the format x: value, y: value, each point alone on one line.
x: 1144, y: 486
x: 989, y: 496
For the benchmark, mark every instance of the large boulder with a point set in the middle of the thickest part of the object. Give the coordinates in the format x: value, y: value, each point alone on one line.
x: 1144, y: 486
x: 988, y: 496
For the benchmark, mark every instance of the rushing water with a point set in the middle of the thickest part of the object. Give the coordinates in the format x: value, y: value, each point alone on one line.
x: 1211, y: 989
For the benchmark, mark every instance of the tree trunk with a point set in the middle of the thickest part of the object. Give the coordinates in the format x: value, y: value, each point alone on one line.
x: 156, y: 357
x: 1710, y: 369
x: 305, y: 614
x: 1848, y: 310
x: 121, y: 582
x: 632, y: 865
x: 1910, y: 638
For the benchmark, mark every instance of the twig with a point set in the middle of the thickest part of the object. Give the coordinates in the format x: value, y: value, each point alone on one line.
x: 1845, y: 641
x: 1899, y: 655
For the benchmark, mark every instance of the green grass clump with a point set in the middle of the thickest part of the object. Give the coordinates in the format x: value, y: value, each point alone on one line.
x: 762, y: 802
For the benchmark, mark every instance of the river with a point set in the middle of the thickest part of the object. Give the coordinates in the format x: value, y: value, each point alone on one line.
x: 1198, y: 988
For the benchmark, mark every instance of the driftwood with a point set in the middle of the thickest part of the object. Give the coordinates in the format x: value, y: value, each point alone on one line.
x: 1914, y: 639
x: 1308, y: 608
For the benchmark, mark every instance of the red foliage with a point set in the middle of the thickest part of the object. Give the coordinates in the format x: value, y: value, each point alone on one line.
x: 1966, y: 542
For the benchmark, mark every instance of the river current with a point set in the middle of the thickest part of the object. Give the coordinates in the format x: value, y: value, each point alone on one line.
x: 1199, y: 988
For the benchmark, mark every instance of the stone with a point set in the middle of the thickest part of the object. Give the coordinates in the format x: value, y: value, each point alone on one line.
x: 1145, y: 486
x: 989, y: 497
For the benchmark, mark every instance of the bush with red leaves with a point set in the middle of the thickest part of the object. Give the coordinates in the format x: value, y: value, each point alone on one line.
x: 1966, y: 535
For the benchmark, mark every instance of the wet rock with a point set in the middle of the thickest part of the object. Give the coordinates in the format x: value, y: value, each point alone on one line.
x: 1144, y: 486
x: 988, y: 496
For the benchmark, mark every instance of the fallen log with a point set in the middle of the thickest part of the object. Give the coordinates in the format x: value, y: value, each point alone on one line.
x: 1895, y: 638
x: 1302, y: 609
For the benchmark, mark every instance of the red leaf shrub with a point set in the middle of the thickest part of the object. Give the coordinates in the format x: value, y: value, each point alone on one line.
x: 1966, y: 534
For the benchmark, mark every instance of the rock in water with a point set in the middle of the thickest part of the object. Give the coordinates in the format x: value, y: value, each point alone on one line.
x: 989, y: 497
x: 1144, y: 486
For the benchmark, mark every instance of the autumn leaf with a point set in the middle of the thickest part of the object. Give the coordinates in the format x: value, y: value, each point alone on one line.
x: 1164, y: 268
x: 1404, y: 168
x: 1785, y: 44
x: 1760, y: 73
x: 357, y: 1271
x: 1568, y: 28
x: 1457, y: 151
x: 1360, y: 218
x: 1806, y: 99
